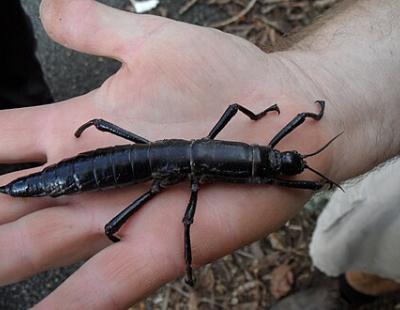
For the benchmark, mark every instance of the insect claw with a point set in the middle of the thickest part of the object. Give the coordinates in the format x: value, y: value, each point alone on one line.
x: 110, y: 230
x: 190, y: 281
x: 328, y: 181
x: 114, y: 238
x: 341, y: 188
x: 275, y: 107
x: 334, y: 184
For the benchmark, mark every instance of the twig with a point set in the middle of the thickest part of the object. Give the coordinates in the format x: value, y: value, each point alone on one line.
x: 211, y: 302
x: 187, y: 6
x: 180, y: 291
x: 245, y: 254
x: 273, y: 24
x: 166, y: 299
x: 235, y: 18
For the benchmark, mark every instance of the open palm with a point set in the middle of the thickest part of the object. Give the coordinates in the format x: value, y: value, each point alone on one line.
x: 175, y: 82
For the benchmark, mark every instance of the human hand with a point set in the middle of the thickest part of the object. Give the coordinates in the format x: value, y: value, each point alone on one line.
x: 175, y: 82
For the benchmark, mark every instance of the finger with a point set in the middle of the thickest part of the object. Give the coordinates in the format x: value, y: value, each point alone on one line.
x: 57, y: 140
x: 151, y: 251
x: 28, y: 135
x: 13, y: 208
x: 35, y: 134
x: 46, y: 239
x: 115, y: 278
x: 21, y: 139
x: 91, y: 27
x: 59, y: 235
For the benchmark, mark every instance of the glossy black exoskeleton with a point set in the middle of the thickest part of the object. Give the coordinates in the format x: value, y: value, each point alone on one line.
x: 167, y: 162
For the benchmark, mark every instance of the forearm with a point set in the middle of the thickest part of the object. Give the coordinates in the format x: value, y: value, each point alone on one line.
x: 353, y: 61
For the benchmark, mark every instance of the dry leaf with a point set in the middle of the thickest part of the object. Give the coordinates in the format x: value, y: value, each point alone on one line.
x: 193, y: 303
x: 282, y: 280
x: 206, y: 279
x: 277, y: 241
x: 246, y: 306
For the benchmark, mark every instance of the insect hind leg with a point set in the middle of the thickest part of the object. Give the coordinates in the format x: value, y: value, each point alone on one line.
x: 188, y: 221
x: 115, y: 224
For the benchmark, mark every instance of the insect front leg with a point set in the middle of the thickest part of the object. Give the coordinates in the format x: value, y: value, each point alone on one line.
x: 187, y: 221
x: 115, y: 224
x: 296, y: 122
x: 103, y: 125
x: 312, y: 185
x: 231, y: 112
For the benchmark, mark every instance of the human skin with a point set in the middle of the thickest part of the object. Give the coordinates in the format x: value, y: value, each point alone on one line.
x: 371, y: 284
x: 175, y: 82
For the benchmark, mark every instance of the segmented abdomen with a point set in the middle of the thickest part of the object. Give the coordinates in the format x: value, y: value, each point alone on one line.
x: 94, y: 170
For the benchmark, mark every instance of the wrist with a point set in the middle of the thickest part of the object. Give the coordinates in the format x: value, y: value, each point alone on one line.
x: 361, y: 101
x: 352, y: 62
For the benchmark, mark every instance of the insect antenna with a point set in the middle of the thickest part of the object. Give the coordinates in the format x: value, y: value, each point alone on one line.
x: 331, y: 182
x: 324, y: 147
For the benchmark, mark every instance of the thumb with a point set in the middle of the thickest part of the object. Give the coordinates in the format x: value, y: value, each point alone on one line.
x: 91, y: 27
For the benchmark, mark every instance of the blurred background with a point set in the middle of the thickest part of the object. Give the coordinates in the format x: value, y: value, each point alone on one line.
x: 254, y: 277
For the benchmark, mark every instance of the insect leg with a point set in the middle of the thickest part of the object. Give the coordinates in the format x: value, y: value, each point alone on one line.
x: 295, y: 122
x: 187, y: 221
x: 231, y: 111
x: 312, y: 185
x: 115, y: 224
x: 103, y: 125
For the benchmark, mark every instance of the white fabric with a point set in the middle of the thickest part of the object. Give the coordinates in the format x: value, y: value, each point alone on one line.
x: 359, y: 230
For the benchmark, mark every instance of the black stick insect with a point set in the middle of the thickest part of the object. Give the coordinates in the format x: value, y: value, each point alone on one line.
x: 167, y: 162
